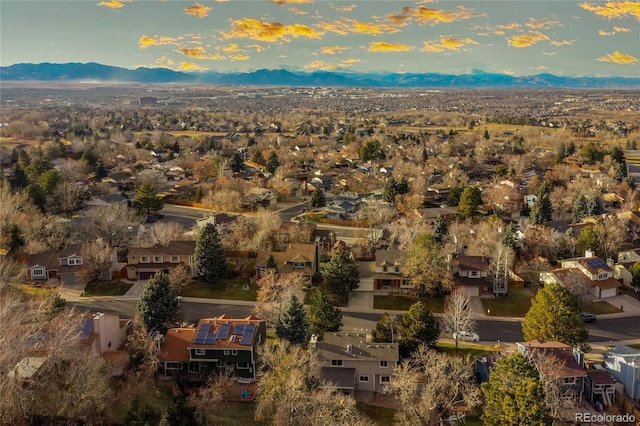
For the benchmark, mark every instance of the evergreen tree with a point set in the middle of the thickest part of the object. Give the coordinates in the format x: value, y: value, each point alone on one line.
x: 416, y: 327
x: 393, y: 187
x: 142, y: 414
x: 273, y: 162
x: 470, y: 200
x: 555, y: 315
x: 425, y: 155
x: 617, y: 154
x: 542, y: 211
x: 147, y: 198
x: 322, y: 315
x: 236, y: 163
x: 272, y: 264
x: 620, y: 172
x: 635, y: 273
x: 371, y: 150
x: 38, y: 196
x: 49, y: 180
x: 18, y: 178
x: 258, y: 158
x: 571, y: 149
x: 180, y: 413
x: 561, y: 154
x: 341, y: 275
x: 580, y: 208
x: 14, y: 239
x: 317, y: 199
x: 440, y: 229
x: 292, y: 322
x: 386, y: 330
x: 453, y: 199
x: 209, y: 255
x: 158, y: 305
x: 588, y: 240
x: 514, y: 395
x: 486, y: 134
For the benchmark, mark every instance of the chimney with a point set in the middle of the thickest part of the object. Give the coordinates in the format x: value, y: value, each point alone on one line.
x: 610, y: 262
x: 349, y: 348
x: 588, y: 253
x: 313, y: 342
x: 369, y: 338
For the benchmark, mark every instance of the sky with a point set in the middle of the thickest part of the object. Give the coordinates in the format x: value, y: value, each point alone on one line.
x: 516, y: 37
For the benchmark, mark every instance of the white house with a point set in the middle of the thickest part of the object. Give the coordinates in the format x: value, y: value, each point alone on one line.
x: 623, y: 362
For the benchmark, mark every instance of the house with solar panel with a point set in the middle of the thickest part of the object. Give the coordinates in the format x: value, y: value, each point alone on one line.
x: 222, y: 343
x: 589, y: 273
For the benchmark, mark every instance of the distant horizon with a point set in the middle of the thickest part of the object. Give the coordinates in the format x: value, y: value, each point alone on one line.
x: 585, y: 38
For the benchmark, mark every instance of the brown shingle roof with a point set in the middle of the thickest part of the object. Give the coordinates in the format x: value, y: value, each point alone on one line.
x: 472, y: 263
x: 174, y: 248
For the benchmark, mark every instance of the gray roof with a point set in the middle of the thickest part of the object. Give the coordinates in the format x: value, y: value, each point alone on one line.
x: 390, y: 257
x: 624, y: 350
x: 354, y: 346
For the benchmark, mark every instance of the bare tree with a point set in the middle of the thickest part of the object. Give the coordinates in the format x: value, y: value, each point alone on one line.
x: 273, y: 290
x: 499, y: 268
x: 217, y: 389
x: 179, y: 278
x: 430, y: 385
x: 457, y: 316
x: 550, y: 368
x: 96, y: 258
x: 113, y: 223
x: 160, y: 233
x: 11, y: 271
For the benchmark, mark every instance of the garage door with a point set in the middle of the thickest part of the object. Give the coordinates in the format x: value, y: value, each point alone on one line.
x: 146, y: 275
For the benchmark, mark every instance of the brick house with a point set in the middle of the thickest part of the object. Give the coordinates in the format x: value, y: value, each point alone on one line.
x: 145, y: 262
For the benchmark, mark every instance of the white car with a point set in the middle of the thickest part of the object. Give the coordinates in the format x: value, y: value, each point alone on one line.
x: 466, y: 336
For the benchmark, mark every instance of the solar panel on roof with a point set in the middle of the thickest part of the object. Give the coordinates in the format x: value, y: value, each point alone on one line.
x: 238, y: 329
x: 86, y: 328
x: 210, y: 339
x: 202, y: 332
x: 223, y: 333
x: 247, y: 336
x: 596, y: 263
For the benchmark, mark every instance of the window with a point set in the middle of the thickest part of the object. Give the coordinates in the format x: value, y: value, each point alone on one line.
x: 174, y: 366
x: 336, y: 362
x: 175, y: 259
x: 234, y: 352
x: 74, y: 261
x: 363, y: 379
x: 602, y: 276
x: 384, y: 268
x: 385, y: 379
x: 243, y: 365
x: 200, y: 352
x: 37, y: 272
x: 298, y: 265
x: 144, y: 259
x: 568, y: 380
x: 473, y: 273
x: 157, y: 259
x: 226, y: 351
x: 384, y: 364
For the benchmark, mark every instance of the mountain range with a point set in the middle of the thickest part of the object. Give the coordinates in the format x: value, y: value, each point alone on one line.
x: 475, y: 79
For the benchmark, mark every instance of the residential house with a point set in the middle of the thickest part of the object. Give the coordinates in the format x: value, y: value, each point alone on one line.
x: 390, y: 271
x: 259, y: 197
x: 64, y: 265
x: 222, y: 343
x: 110, y: 200
x: 221, y: 221
x: 589, y: 271
x: 471, y: 274
x: 600, y: 387
x: 572, y: 370
x: 430, y: 215
x: 105, y: 335
x: 27, y: 370
x: 145, y: 262
x: 623, y: 362
x: 622, y: 269
x: 298, y: 257
x: 352, y: 362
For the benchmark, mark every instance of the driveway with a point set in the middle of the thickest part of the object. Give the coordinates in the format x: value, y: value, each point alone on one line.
x: 136, y: 289
x: 361, y: 300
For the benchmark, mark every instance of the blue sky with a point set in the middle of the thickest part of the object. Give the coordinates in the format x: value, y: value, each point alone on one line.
x: 515, y: 37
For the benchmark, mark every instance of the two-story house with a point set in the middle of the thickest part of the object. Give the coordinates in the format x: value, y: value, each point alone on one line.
x: 390, y: 271
x: 622, y: 269
x: 298, y: 257
x: 471, y: 275
x: 221, y: 343
x: 571, y: 361
x: 352, y: 362
x: 145, y: 262
x: 589, y: 271
x: 64, y: 265
x: 104, y: 335
x: 623, y: 362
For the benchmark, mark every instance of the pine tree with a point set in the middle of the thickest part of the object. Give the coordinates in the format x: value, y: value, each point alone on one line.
x: 292, y: 322
x: 341, y: 275
x: 180, y: 413
x: 386, y: 329
x: 555, y: 315
x: 470, y: 200
x: 514, y: 395
x: 317, y: 199
x: 272, y: 264
x: 236, y: 163
x: 542, y: 211
x: 273, y: 162
x: 18, y: 178
x: 158, y: 305
x: 416, y: 327
x: 440, y: 229
x: 147, y: 198
x: 579, y: 208
x: 209, y: 255
x: 322, y: 315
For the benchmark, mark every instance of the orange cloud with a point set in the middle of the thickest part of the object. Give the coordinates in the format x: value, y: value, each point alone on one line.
x: 239, y: 57
x: 146, y: 41
x: 113, y: 4
x: 327, y: 66
x: 190, y: 66
x: 333, y: 50
x: 615, y: 31
x: 346, y: 26
x: 541, y: 67
x: 269, y: 31
x: 562, y: 42
x: 347, y: 8
x: 382, y: 46
x: 297, y: 11
x: 198, y: 10
x: 535, y: 24
x: 508, y: 72
x: 613, y: 10
x: 232, y: 48
x: 258, y: 48
x: 526, y: 40
x: 199, y: 53
x: 402, y: 18
x: 425, y: 15
x: 446, y: 43
x: 618, y: 58
x: 161, y: 62
x: 282, y: 2
x: 334, y: 27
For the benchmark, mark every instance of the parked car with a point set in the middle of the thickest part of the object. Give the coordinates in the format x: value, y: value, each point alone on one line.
x: 587, y: 317
x: 466, y: 336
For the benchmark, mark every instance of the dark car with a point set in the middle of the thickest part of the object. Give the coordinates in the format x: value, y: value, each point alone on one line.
x: 587, y: 317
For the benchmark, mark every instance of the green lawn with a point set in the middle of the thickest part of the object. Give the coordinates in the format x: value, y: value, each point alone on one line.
x: 472, y: 349
x: 599, y: 308
x: 115, y: 288
x: 402, y: 303
x: 381, y: 416
x: 340, y: 300
x: 516, y: 304
x: 232, y: 289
